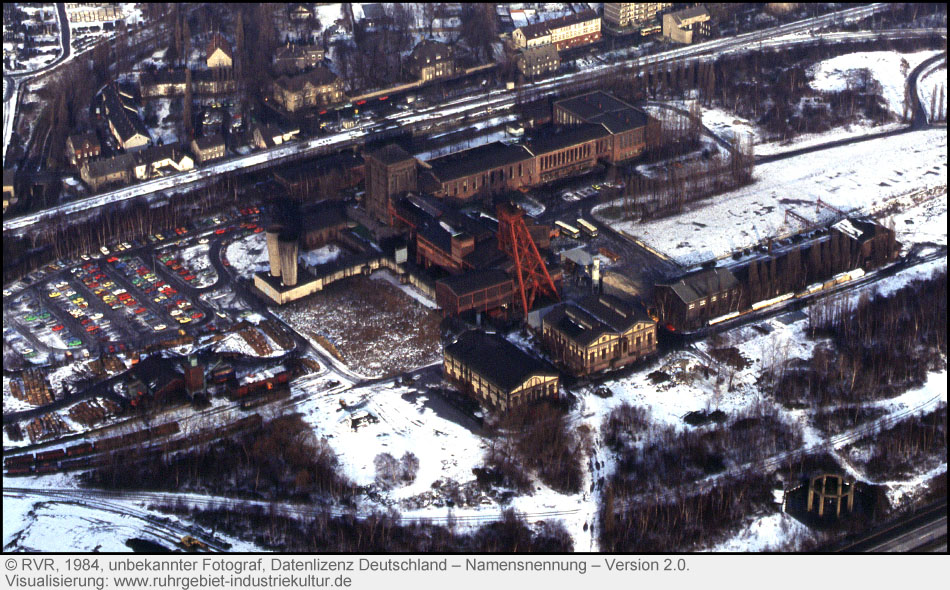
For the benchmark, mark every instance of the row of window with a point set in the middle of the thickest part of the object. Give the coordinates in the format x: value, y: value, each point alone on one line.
x: 713, y: 299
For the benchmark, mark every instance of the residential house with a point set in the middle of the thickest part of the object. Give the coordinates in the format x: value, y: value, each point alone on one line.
x: 123, y: 119
x: 290, y: 58
x: 208, y: 148
x: 632, y: 14
x: 266, y: 136
x: 80, y: 148
x: 568, y: 31
x: 687, y: 25
x: 318, y: 88
x: 431, y: 60
x: 98, y: 173
x: 158, y: 161
x: 538, y: 61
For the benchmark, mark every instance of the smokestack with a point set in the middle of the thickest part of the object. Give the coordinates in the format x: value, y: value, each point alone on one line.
x: 595, y: 278
x: 287, y: 247
x: 273, y: 253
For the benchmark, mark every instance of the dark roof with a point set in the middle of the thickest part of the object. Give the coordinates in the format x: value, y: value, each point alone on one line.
x: 105, y: 166
x: 689, y: 13
x: 125, y: 119
x: 166, y: 76
x: 322, y: 215
x: 390, y: 154
x: 550, y: 139
x: 478, y: 159
x: 84, y: 141
x: 219, y: 42
x: 429, y: 52
x: 532, y: 56
x: 209, y: 141
x: 542, y: 28
x: 585, y: 321
x: 535, y: 30
x: 496, y: 360
x: 373, y: 11
x: 600, y: 107
x: 319, y: 76
x: 291, y: 51
x: 699, y: 285
x: 156, y: 153
x: 475, y: 281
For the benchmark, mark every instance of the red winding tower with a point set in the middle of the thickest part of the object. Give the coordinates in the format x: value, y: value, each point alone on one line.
x: 515, y: 240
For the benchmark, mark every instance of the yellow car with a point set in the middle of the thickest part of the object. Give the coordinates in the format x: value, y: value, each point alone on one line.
x: 54, y: 294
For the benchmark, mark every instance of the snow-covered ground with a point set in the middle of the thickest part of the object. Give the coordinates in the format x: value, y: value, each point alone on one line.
x: 862, y: 178
x: 248, y: 255
x: 835, y: 74
x: 322, y: 255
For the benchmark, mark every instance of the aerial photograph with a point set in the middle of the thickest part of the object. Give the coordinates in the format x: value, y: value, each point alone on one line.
x: 474, y: 278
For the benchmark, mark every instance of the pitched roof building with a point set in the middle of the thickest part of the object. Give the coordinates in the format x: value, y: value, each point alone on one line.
x: 98, y: 173
x: 80, y: 148
x: 697, y: 297
x: 568, y: 31
x: 496, y: 372
x: 123, y: 118
x: 317, y: 88
x: 537, y: 61
x: 431, y: 60
x: 218, y: 52
x: 597, y: 333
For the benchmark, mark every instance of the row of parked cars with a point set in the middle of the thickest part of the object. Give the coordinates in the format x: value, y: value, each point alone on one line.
x: 152, y: 286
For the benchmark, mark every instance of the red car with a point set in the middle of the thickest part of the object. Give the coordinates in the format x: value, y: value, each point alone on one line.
x: 57, y: 327
x: 139, y: 310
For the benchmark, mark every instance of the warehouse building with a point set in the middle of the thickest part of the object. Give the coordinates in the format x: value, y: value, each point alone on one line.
x: 390, y: 171
x: 691, y: 301
x: 480, y: 291
x: 496, y: 372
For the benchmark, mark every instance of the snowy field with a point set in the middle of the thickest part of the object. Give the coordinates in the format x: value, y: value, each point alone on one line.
x: 860, y: 178
x: 834, y: 75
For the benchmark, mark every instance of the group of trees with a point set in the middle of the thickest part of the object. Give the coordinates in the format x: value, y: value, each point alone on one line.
x: 902, y: 451
x: 879, y: 347
x: 67, y: 237
x: 535, y: 438
x: 283, y: 458
x: 392, y: 472
x: 381, y: 532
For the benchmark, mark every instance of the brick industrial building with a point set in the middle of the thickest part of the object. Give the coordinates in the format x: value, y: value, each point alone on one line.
x: 497, y: 373
x: 596, y: 333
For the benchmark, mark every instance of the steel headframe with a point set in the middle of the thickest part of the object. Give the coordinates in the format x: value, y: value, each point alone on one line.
x: 515, y: 240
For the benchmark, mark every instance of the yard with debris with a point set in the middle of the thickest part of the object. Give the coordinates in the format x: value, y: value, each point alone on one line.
x: 403, y: 334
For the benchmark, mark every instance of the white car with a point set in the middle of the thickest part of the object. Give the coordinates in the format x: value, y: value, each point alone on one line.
x: 160, y: 327
x: 104, y: 250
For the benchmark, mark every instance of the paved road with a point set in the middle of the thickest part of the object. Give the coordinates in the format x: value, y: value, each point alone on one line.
x: 923, y: 530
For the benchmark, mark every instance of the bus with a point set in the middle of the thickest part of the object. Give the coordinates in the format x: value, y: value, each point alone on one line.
x: 569, y: 230
x: 587, y: 227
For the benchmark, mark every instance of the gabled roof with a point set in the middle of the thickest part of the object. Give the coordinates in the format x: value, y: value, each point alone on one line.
x: 692, y: 12
x: 700, y: 285
x: 124, y: 118
x: 209, y: 142
x: 430, y: 52
x: 318, y: 77
x: 84, y: 141
x: 170, y: 151
x: 497, y: 360
x: 587, y: 320
x: 219, y: 42
x: 106, y: 166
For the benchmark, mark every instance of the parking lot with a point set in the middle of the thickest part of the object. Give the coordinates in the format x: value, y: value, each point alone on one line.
x: 124, y: 296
